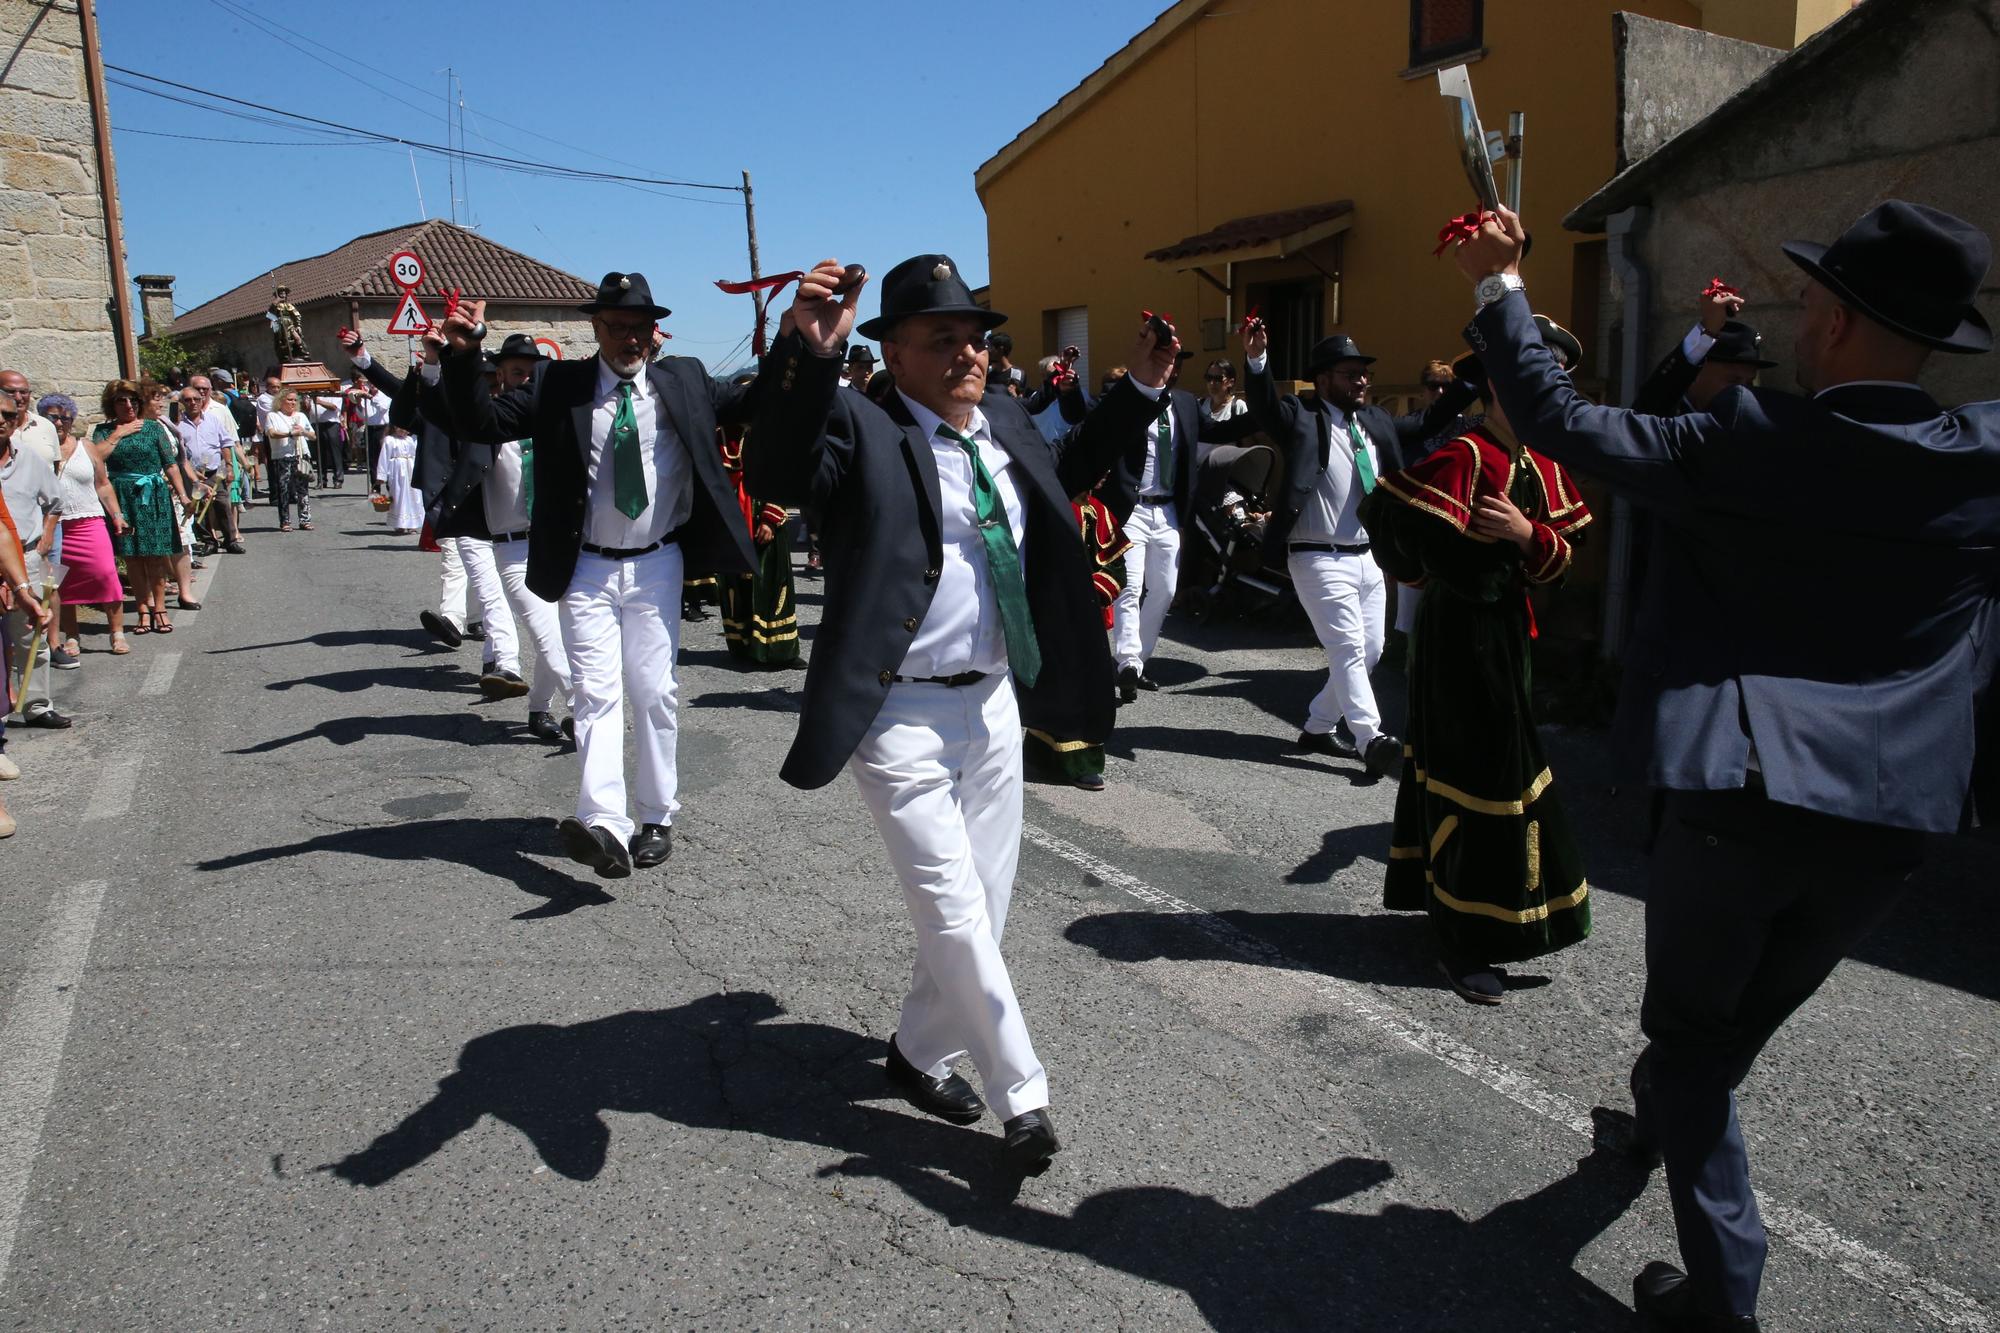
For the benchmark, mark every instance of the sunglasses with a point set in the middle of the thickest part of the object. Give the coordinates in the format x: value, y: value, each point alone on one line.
x: 1216, y: 379
x: 10, y: 416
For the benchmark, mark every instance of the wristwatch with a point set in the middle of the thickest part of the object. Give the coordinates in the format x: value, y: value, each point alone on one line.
x: 1496, y: 285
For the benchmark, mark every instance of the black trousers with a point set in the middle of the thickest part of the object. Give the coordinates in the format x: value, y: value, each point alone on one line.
x: 332, y: 453
x: 1749, y: 906
x: 375, y: 435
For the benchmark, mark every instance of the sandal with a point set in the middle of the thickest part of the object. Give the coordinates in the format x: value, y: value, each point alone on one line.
x: 284, y: 527
x: 161, y: 625
x: 305, y: 527
x: 118, y: 645
x: 145, y: 623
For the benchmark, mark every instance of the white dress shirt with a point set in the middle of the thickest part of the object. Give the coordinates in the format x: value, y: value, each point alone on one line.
x: 1151, y: 482
x: 962, y: 630
x: 668, y: 468
x: 500, y: 490
x: 1329, y: 514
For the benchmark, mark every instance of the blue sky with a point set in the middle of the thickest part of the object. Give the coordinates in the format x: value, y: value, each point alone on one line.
x: 860, y: 126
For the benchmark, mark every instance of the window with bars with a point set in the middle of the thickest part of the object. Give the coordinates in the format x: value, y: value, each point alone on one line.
x: 1440, y: 29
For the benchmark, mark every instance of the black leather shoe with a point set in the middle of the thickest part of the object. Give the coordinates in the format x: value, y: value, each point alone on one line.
x: 1030, y: 1142
x: 1146, y: 682
x: 234, y: 547
x: 542, y: 726
x: 948, y: 1098
x: 1665, y: 1304
x: 1343, y: 741
x: 1128, y: 685
x: 597, y: 848
x: 475, y: 630
x: 1088, y: 781
x: 1475, y: 983
x: 1317, y: 742
x: 441, y: 629
x: 569, y: 727
x: 651, y: 845
x: 49, y: 718
x: 502, y: 685
x: 1385, y: 756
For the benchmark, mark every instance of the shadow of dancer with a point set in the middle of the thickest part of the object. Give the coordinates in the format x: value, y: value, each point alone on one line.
x: 496, y: 847
x: 465, y: 729
x: 718, y: 1062
x: 1289, y: 1261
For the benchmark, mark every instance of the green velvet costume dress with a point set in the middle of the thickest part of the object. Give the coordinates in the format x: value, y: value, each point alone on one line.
x: 1480, y: 841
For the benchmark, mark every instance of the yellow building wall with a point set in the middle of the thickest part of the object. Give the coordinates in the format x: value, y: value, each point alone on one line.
x: 1259, y: 105
x: 1779, y: 23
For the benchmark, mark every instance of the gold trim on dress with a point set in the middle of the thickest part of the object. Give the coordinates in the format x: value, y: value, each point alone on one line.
x: 1542, y: 912
x: 1479, y: 804
x: 1444, y: 830
x: 1534, y: 855
x: 1406, y: 853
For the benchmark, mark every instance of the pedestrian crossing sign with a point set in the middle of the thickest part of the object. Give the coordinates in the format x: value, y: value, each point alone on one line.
x: 410, y: 320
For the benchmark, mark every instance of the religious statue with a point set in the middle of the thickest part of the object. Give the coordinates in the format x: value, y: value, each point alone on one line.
x: 287, y: 336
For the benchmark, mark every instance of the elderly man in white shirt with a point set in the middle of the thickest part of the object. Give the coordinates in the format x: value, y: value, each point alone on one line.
x: 35, y: 433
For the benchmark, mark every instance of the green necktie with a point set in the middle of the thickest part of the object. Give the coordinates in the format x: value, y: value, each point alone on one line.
x: 528, y: 478
x: 1165, y: 481
x: 628, y: 474
x: 1003, y: 562
x: 1362, y: 463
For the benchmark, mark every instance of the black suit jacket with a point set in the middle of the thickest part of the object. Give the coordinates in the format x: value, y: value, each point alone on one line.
x: 1665, y: 391
x: 421, y: 409
x: 871, y: 477
x: 553, y: 408
x: 1120, y: 491
x: 1837, y: 603
x: 1302, y: 432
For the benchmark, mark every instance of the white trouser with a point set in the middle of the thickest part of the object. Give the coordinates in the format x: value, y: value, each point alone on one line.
x: 503, y: 646
x: 551, y: 663
x: 940, y: 771
x: 1407, y: 600
x: 451, y: 588
x: 1152, y: 567
x: 621, y: 630
x: 1344, y: 597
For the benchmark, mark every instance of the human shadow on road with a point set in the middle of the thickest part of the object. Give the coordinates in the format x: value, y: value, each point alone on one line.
x: 719, y: 1062
x: 1289, y: 1261
x: 428, y: 677
x: 1340, y: 848
x: 1223, y: 743
x: 380, y: 636
x: 1388, y: 950
x: 496, y: 847
x: 461, y: 728
x: 773, y: 700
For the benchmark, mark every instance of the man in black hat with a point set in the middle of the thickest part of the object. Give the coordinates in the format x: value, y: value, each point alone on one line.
x: 1719, y: 352
x: 1800, y: 764
x: 860, y: 367
x: 629, y: 494
x: 1335, y: 447
x: 959, y: 606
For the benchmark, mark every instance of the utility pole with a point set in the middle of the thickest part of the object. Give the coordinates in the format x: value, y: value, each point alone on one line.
x: 756, y: 272
x: 450, y: 177
x: 107, y: 184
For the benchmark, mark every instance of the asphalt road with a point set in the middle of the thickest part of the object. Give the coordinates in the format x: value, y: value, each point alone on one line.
x: 308, y: 1024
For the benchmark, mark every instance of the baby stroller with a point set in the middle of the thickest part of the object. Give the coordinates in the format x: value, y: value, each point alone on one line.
x: 1223, y: 563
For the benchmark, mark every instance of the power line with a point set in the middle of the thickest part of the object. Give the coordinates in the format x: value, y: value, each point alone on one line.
x: 259, y: 143
x: 491, y: 159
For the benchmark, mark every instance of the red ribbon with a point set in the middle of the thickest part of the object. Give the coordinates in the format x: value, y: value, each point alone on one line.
x: 1717, y: 287
x: 450, y: 295
x: 1459, y: 230
x: 770, y: 284
x: 1250, y: 321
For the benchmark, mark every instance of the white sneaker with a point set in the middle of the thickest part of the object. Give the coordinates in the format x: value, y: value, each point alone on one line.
x: 9, y: 770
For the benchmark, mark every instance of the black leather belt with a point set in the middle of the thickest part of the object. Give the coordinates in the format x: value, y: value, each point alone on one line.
x: 1332, y: 548
x: 1156, y: 499
x: 520, y: 536
x: 962, y: 678
x: 628, y: 552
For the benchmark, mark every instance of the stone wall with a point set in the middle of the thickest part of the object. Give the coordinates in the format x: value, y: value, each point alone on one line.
x: 1669, y: 77
x: 55, y: 274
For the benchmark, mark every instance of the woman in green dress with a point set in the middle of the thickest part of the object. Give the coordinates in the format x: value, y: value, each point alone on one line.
x: 1480, y: 840
x: 144, y: 472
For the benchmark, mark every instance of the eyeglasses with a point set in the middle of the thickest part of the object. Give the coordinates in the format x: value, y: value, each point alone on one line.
x: 10, y: 417
x: 60, y: 415
x: 1216, y: 379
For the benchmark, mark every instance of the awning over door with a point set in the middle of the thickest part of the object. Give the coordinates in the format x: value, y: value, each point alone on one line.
x: 1279, y: 235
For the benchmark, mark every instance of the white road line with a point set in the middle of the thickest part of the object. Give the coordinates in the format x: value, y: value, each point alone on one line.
x: 160, y: 676
x: 31, y: 1046
x: 1942, y: 1304
x: 115, y: 789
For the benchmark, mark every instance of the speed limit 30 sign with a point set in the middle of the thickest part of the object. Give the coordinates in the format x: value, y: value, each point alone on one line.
x: 406, y: 270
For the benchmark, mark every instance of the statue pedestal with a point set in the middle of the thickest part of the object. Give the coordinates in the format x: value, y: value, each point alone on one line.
x: 308, y: 377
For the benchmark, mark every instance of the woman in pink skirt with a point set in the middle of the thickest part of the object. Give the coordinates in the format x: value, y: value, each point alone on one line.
x: 89, y: 517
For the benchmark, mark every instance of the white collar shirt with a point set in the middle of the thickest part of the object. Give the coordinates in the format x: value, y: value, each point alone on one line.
x: 502, y: 493
x: 377, y: 410
x: 663, y: 457
x: 1153, y: 480
x: 326, y: 411
x: 962, y: 630
x: 36, y: 432
x: 1330, y: 513
x: 204, y: 439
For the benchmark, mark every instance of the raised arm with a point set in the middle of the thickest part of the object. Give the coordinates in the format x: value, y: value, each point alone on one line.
x: 1274, y: 413
x: 1117, y: 421
x: 475, y: 412
x: 800, y: 447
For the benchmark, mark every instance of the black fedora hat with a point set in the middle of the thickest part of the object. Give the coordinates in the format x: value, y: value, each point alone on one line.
x: 1329, y: 352
x: 1739, y: 345
x: 1912, y: 269
x: 1560, y: 341
x: 519, y: 344
x: 625, y: 291
x: 926, y: 285
x: 861, y: 354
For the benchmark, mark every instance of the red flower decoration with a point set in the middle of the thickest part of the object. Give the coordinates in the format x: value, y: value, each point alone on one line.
x: 1717, y: 287
x: 1459, y: 230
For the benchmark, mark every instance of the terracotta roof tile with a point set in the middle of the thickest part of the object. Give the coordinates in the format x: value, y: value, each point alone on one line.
x: 1259, y: 229
x: 453, y: 257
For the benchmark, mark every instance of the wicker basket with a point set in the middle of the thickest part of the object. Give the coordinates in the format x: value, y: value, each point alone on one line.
x: 381, y: 503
